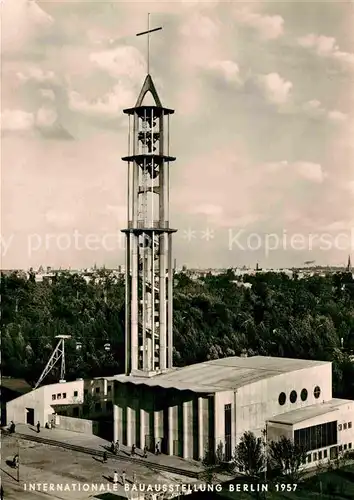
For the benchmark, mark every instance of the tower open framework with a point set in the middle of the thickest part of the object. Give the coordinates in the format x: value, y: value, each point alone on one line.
x: 149, y: 269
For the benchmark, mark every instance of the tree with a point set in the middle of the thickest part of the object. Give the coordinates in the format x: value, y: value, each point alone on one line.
x: 249, y: 455
x: 209, y: 464
x: 288, y: 457
x: 214, y: 317
x: 88, y: 405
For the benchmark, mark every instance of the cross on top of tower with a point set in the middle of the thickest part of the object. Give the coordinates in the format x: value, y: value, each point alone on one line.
x: 148, y: 32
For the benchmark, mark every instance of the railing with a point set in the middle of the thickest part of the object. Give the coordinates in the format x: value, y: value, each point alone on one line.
x: 149, y: 224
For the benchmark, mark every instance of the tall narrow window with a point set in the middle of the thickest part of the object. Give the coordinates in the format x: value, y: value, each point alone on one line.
x: 228, y: 430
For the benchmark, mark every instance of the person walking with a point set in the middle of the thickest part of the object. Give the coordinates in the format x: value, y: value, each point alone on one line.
x: 115, y: 477
x: 157, y: 449
x: 133, y: 450
x: 117, y: 447
x: 113, y: 447
x: 145, y: 452
x: 134, y: 478
x: 38, y: 426
x: 104, y: 457
x: 123, y: 477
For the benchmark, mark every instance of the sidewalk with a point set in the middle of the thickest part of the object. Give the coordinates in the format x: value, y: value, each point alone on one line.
x: 98, y: 444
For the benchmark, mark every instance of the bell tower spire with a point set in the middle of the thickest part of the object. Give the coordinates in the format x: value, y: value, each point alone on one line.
x: 149, y: 264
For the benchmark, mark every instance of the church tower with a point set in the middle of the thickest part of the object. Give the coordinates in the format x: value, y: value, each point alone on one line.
x: 349, y: 265
x: 149, y: 266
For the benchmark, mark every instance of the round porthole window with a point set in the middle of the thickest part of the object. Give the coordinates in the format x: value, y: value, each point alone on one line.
x: 317, y: 392
x: 303, y: 395
x: 293, y: 397
x: 282, y: 398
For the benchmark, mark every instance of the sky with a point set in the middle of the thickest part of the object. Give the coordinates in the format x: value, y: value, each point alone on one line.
x: 263, y: 129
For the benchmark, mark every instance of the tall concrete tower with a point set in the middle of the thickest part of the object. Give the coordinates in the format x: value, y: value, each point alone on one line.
x: 149, y: 268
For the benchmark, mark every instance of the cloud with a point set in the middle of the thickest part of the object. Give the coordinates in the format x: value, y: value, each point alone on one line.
x: 16, y: 120
x: 325, y: 46
x: 229, y: 70
x: 207, y: 209
x: 199, y: 26
x: 267, y: 27
x: 47, y: 94
x: 310, y: 171
x: 110, y: 105
x: 46, y: 117
x: 199, y: 42
x: 22, y: 22
x: 122, y: 61
x: 44, y: 121
x: 315, y: 109
x: 59, y: 218
x: 275, y: 88
x: 37, y: 74
x: 337, y: 116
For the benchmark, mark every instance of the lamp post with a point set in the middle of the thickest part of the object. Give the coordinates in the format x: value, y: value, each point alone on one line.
x: 18, y: 461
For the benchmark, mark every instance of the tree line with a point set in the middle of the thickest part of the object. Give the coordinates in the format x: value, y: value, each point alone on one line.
x: 214, y: 317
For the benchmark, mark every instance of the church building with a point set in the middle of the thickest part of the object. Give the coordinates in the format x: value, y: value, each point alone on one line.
x: 197, y: 409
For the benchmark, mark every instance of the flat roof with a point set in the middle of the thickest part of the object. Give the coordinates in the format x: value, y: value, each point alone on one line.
x: 301, y: 414
x: 221, y: 374
x: 16, y: 384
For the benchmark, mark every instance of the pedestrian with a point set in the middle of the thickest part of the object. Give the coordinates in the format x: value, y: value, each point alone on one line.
x: 113, y: 447
x: 134, y: 478
x: 117, y: 446
x: 133, y: 450
x: 38, y: 426
x: 115, y: 477
x: 104, y: 457
x: 157, y: 449
x: 123, y: 477
x: 145, y: 452
x: 1, y: 493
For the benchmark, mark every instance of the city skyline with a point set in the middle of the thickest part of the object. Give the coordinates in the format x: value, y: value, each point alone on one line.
x: 262, y: 130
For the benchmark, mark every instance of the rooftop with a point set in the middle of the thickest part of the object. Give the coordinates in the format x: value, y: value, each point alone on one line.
x: 16, y: 384
x: 296, y: 416
x: 222, y: 374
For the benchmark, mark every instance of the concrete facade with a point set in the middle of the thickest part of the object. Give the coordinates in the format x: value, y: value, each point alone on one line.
x: 64, y: 398
x: 188, y: 423
x: 39, y: 404
x: 335, y: 410
x: 179, y: 421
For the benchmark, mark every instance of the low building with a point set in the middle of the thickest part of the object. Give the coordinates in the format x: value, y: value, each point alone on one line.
x: 40, y: 404
x: 199, y: 408
x: 11, y: 388
x: 68, y: 404
x: 325, y: 430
